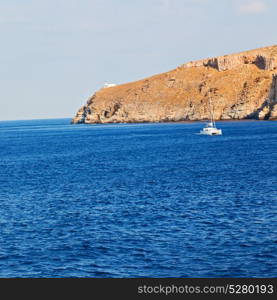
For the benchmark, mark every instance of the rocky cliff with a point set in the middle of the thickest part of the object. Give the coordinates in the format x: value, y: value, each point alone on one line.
x: 240, y: 86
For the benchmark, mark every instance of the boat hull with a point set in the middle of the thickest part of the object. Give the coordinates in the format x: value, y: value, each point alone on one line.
x: 211, y: 131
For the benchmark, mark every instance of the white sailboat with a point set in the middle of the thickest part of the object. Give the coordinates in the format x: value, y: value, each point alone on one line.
x: 210, y: 128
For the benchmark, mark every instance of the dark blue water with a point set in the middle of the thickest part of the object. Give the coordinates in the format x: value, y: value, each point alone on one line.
x: 140, y: 200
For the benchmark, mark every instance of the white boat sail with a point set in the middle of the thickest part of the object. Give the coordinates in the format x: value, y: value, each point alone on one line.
x: 210, y: 128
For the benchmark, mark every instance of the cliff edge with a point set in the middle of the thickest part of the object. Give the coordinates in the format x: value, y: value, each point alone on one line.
x: 241, y: 86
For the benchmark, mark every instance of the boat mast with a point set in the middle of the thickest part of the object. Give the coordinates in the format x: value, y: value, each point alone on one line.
x: 211, y: 110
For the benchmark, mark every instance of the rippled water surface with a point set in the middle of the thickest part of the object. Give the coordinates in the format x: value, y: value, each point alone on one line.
x: 137, y: 200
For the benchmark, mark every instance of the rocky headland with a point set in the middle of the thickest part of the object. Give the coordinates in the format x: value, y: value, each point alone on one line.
x: 241, y: 86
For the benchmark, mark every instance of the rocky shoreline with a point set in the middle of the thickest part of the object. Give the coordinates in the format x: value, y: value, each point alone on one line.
x: 241, y: 86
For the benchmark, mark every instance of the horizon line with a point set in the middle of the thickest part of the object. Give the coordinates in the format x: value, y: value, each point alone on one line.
x: 35, y: 119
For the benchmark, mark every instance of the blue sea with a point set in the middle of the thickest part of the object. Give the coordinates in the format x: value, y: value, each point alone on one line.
x: 137, y: 200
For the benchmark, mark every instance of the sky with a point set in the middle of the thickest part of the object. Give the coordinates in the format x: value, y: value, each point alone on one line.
x: 56, y: 53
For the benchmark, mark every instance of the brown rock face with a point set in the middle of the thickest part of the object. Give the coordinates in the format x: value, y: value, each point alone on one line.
x: 241, y: 86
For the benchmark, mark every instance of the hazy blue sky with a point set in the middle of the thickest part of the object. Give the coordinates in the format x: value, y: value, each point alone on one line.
x: 56, y: 53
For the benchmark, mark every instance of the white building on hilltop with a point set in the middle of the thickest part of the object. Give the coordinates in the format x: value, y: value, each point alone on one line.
x: 108, y: 85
